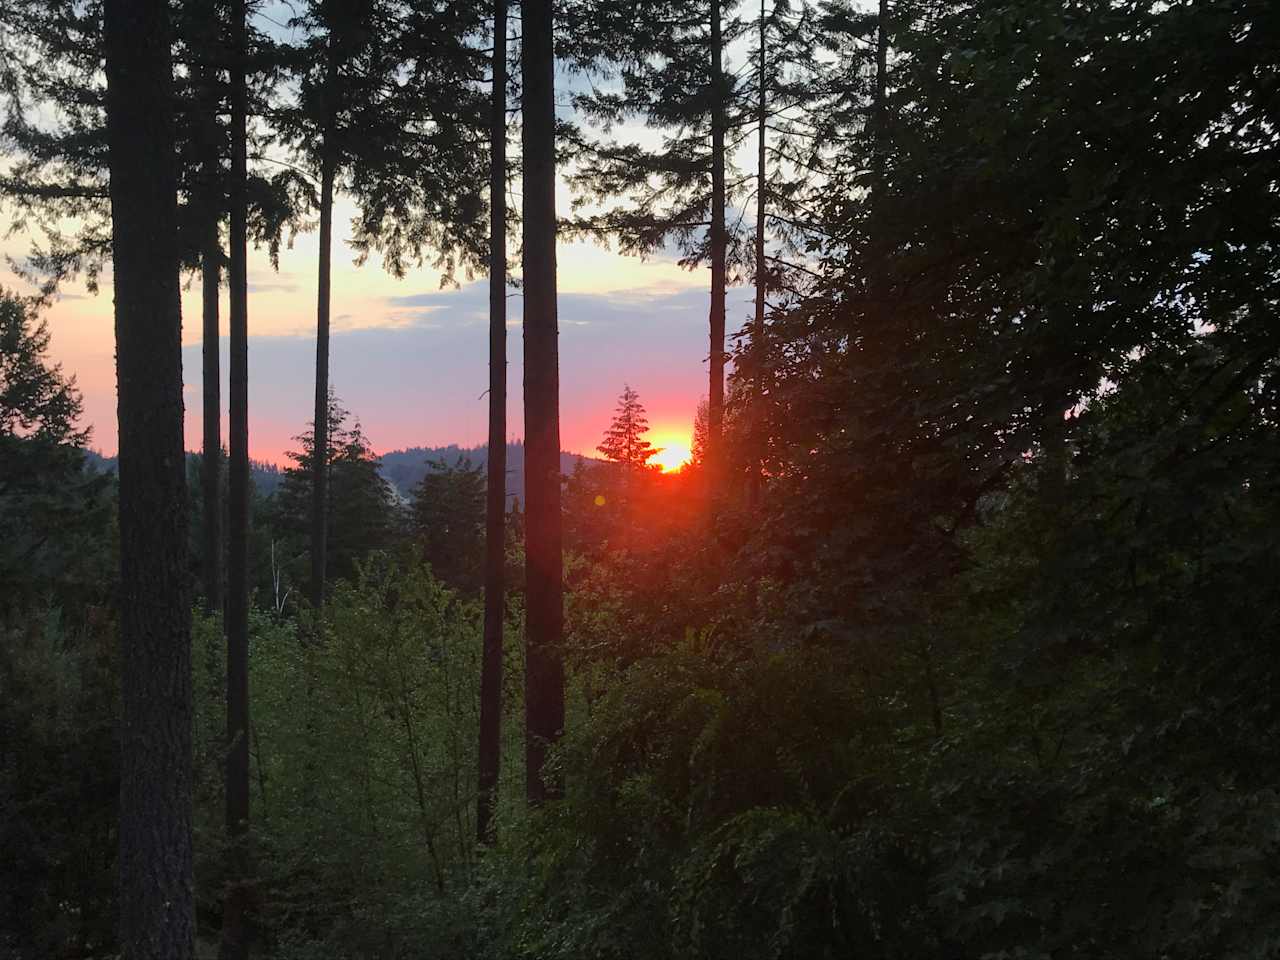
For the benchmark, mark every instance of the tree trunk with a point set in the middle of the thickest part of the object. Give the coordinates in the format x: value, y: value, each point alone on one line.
x: 880, y: 104
x: 157, y: 916
x: 234, y: 933
x: 320, y: 445
x: 715, y: 393
x: 496, y: 490
x: 762, y: 278
x: 210, y: 278
x: 544, y: 669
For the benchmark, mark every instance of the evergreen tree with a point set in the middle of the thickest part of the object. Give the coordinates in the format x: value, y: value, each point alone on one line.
x: 157, y: 908
x: 235, y: 935
x: 389, y: 106
x: 56, y: 186
x: 362, y: 512
x: 674, y: 79
x: 447, y: 518
x: 495, y: 537
x: 54, y: 515
x: 624, y: 442
x: 544, y: 570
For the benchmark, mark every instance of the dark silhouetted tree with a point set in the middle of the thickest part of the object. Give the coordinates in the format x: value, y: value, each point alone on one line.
x: 544, y: 572
x: 495, y: 535
x: 157, y: 915
x: 624, y: 442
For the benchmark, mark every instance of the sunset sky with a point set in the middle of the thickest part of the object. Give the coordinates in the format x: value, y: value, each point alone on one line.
x: 411, y: 360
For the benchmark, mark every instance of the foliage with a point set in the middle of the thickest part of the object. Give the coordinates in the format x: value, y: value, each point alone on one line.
x: 55, y: 515
x: 624, y: 442
x: 364, y: 514
x: 447, y: 519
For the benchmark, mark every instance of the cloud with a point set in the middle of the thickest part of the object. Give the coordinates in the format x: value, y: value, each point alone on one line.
x: 273, y: 283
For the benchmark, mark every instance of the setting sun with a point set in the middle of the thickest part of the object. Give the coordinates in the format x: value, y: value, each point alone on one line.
x: 673, y: 453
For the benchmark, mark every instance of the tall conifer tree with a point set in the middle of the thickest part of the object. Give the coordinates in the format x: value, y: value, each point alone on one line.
x: 157, y: 916
x: 544, y: 584
x: 234, y: 925
x: 496, y: 490
x: 675, y: 80
x: 390, y: 109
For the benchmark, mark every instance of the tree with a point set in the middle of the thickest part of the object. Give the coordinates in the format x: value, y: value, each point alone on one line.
x: 544, y: 572
x: 57, y: 185
x: 157, y: 911
x: 54, y: 516
x: 495, y: 534
x: 388, y: 106
x: 674, y: 79
x: 624, y: 441
x: 361, y: 511
x: 698, y: 444
x: 235, y: 943
x: 448, y: 522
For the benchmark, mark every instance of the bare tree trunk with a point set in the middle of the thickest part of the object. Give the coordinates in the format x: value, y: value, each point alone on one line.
x: 157, y: 911
x: 210, y: 278
x: 715, y: 393
x: 235, y: 944
x: 496, y: 492
x: 320, y: 445
x: 544, y: 668
x: 211, y: 467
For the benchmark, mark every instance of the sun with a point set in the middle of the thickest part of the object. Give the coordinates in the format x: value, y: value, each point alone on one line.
x: 674, y: 453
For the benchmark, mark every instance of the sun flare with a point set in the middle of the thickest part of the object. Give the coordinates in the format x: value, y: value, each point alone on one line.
x: 673, y: 453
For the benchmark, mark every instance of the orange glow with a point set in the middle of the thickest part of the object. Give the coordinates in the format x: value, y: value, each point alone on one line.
x: 674, y: 453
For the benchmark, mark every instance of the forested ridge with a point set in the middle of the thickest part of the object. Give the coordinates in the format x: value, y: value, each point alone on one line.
x: 956, y: 637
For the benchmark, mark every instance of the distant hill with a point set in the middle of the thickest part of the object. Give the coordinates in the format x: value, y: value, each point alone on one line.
x: 266, y: 476
x: 406, y: 468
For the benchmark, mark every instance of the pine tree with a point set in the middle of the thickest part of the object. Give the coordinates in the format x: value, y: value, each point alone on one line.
x: 157, y: 919
x: 624, y: 442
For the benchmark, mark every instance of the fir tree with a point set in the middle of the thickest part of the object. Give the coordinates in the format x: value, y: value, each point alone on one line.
x: 624, y: 442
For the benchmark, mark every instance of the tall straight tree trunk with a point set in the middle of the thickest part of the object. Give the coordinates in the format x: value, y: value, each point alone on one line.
x: 320, y: 434
x: 496, y: 490
x: 211, y: 472
x: 715, y: 393
x: 544, y: 585
x: 157, y: 910
x: 762, y: 271
x: 234, y: 933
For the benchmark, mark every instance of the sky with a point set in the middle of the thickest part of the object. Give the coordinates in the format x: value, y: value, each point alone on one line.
x: 410, y: 359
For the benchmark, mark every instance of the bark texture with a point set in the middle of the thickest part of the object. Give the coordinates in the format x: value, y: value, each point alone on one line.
x: 157, y: 919
x: 544, y: 668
